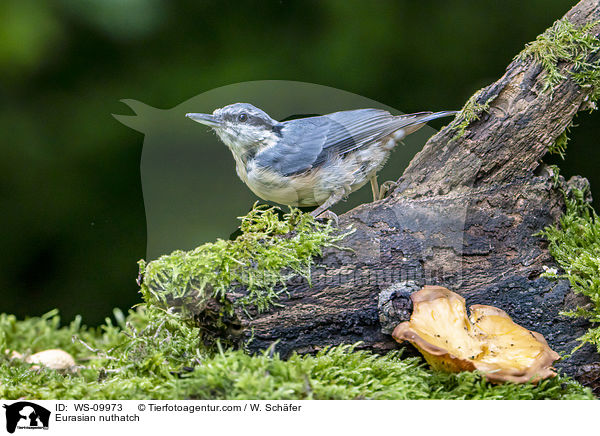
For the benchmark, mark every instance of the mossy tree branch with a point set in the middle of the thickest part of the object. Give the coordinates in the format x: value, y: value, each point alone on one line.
x: 464, y: 215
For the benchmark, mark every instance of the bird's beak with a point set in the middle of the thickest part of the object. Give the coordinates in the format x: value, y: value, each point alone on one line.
x: 206, y: 119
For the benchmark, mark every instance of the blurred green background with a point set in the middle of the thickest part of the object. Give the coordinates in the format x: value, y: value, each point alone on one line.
x: 72, y: 214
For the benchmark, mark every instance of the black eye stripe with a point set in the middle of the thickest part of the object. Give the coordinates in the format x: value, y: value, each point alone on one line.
x: 257, y: 121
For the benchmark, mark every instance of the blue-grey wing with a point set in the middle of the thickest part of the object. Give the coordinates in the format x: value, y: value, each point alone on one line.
x: 309, y: 142
x: 297, y: 150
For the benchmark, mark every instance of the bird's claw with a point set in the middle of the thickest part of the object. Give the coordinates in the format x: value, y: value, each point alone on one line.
x: 328, y: 216
x: 386, y: 188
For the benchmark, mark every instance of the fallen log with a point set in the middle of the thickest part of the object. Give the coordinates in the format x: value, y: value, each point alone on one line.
x: 464, y: 215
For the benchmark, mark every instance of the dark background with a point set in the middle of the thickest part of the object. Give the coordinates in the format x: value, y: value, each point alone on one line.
x: 72, y: 214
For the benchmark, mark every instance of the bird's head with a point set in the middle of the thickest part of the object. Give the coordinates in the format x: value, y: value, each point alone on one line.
x: 242, y: 127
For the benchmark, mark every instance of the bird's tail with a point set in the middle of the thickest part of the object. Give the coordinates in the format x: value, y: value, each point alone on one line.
x: 415, y: 121
x: 435, y: 115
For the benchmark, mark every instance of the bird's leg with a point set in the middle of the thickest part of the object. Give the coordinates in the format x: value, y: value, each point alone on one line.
x: 323, y: 213
x: 375, y: 188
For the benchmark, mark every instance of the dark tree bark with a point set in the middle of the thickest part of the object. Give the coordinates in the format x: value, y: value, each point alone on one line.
x: 463, y: 215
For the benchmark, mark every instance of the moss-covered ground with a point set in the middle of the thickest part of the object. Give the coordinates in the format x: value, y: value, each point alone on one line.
x: 150, y: 355
x: 154, y: 352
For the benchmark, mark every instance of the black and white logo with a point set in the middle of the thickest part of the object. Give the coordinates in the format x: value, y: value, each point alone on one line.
x: 26, y: 415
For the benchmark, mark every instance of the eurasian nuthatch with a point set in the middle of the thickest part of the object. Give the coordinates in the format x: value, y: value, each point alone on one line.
x: 314, y: 161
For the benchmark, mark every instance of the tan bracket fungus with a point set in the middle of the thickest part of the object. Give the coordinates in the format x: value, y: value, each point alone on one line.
x: 488, y: 341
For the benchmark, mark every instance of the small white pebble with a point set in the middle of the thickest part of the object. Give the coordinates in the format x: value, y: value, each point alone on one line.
x: 53, y: 359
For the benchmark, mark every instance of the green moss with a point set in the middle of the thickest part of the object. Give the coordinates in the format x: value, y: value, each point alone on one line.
x: 148, y: 356
x: 471, y: 111
x: 561, y: 43
x: 565, y: 43
x: 560, y: 144
x: 154, y: 352
x: 268, y: 252
x: 575, y: 245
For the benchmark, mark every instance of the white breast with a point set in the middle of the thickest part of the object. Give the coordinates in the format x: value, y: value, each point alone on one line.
x: 314, y: 187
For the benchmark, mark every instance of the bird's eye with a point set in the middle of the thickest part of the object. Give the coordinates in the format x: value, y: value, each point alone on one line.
x: 242, y: 117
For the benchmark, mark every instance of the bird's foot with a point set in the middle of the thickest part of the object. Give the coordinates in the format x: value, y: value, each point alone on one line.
x: 386, y: 188
x: 328, y: 216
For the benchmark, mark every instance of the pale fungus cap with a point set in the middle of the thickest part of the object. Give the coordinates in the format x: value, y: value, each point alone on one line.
x: 488, y: 341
